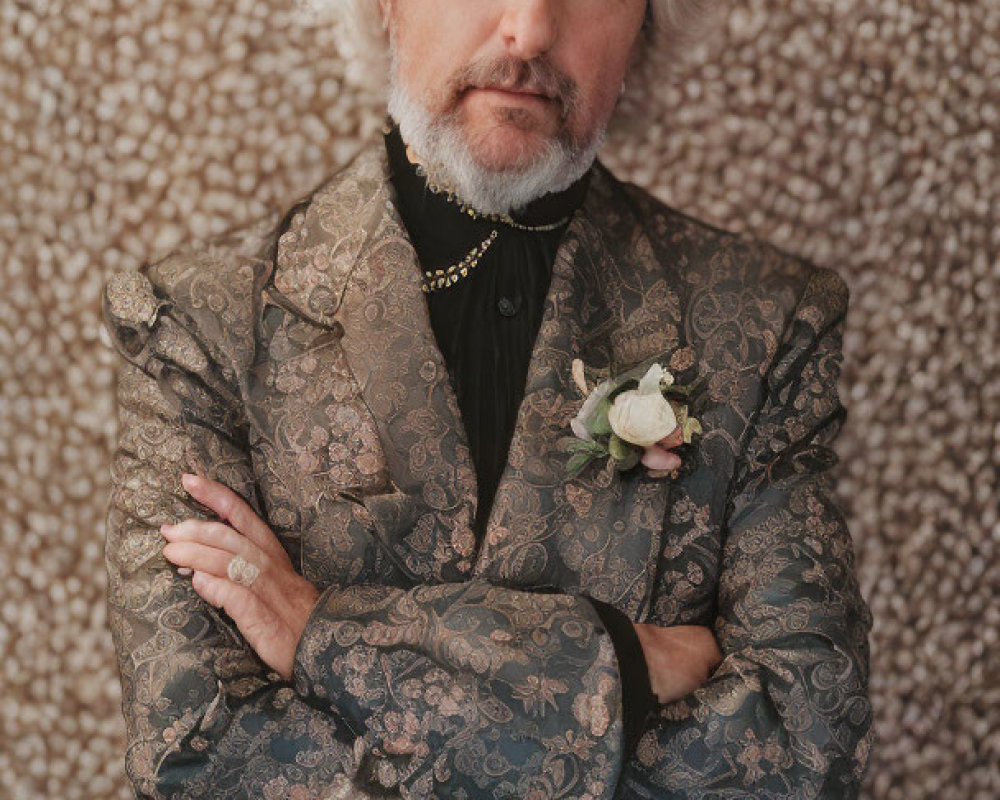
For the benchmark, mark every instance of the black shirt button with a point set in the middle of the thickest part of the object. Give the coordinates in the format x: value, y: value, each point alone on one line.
x: 507, y: 307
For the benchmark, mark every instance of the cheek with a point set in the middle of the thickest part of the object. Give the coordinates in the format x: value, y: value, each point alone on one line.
x: 428, y: 59
x: 423, y: 77
x: 418, y: 68
x: 600, y: 89
x: 601, y: 62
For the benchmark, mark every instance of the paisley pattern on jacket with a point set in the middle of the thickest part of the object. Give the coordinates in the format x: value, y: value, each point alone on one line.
x: 296, y: 363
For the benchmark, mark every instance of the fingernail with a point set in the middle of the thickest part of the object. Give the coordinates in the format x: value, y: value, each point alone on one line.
x: 187, y: 479
x: 166, y: 528
x: 184, y: 570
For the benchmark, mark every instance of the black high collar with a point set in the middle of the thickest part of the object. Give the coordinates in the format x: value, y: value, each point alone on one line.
x: 443, y: 231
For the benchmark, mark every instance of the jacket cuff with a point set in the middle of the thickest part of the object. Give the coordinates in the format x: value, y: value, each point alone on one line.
x: 637, y: 693
x: 311, y: 671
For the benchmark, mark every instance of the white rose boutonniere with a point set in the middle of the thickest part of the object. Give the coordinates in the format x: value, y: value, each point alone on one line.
x: 621, y: 416
x: 644, y: 416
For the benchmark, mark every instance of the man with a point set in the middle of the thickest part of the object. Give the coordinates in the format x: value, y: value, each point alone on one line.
x: 405, y: 592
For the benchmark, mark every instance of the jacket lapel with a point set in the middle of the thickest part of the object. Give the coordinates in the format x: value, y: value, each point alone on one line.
x: 350, y: 268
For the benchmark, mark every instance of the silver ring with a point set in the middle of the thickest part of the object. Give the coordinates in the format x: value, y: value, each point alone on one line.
x: 242, y: 571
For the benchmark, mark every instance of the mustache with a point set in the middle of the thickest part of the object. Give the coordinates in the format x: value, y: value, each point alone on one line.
x: 538, y: 75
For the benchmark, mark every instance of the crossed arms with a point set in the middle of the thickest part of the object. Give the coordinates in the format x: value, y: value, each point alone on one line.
x: 471, y: 688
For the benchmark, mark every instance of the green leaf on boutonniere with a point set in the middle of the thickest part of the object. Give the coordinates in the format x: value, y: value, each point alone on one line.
x: 571, y: 444
x: 568, y: 444
x: 598, y: 425
x: 622, y: 453
x: 619, y: 449
x: 577, y: 462
x: 629, y: 461
x: 690, y: 427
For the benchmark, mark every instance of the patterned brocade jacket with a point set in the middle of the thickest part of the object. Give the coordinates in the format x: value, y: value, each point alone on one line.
x: 295, y: 362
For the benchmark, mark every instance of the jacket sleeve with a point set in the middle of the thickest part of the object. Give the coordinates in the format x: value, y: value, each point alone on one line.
x: 429, y: 691
x: 205, y: 718
x: 483, y: 691
x: 787, y: 713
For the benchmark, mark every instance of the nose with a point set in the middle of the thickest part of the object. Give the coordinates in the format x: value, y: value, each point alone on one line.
x: 529, y: 27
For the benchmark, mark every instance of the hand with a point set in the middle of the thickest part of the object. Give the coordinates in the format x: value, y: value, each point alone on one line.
x: 272, y: 612
x: 658, y: 456
x: 679, y: 658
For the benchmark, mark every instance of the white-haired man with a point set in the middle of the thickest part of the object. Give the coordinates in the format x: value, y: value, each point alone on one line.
x: 427, y: 601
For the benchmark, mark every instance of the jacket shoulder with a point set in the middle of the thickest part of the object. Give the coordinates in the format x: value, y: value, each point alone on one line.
x: 211, y: 289
x: 714, y: 258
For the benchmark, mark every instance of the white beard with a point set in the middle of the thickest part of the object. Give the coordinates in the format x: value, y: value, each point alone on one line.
x: 449, y: 161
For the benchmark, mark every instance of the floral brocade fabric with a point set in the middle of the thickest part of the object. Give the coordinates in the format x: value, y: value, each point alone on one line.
x: 295, y: 363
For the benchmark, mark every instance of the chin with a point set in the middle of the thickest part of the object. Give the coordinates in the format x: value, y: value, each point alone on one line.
x: 506, y: 146
x: 500, y: 154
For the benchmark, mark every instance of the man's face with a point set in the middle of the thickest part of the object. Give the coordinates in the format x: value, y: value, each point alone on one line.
x: 515, y: 75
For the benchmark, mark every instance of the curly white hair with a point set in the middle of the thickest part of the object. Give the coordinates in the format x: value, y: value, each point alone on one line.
x: 670, y: 28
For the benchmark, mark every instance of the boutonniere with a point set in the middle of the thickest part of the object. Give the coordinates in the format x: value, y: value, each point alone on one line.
x: 623, y: 415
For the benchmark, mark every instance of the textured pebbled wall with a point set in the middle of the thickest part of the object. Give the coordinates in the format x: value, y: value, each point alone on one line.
x: 860, y: 134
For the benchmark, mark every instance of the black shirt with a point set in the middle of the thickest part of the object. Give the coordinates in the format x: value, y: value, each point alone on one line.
x: 485, y: 322
x: 494, y: 275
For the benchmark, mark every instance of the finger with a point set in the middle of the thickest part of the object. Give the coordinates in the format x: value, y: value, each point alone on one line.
x: 237, y: 601
x: 214, y: 534
x: 259, y: 625
x: 199, y: 557
x: 233, y: 508
x: 212, y: 588
x: 656, y: 457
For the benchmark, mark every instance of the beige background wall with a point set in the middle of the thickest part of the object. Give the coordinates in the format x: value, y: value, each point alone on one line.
x: 860, y: 134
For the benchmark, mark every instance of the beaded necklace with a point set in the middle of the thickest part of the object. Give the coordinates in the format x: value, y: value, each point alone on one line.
x: 435, y: 279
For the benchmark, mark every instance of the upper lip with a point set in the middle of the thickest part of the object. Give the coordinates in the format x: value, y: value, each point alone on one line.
x: 532, y: 90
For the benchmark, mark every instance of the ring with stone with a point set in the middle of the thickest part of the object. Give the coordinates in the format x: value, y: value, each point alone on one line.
x: 242, y: 571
